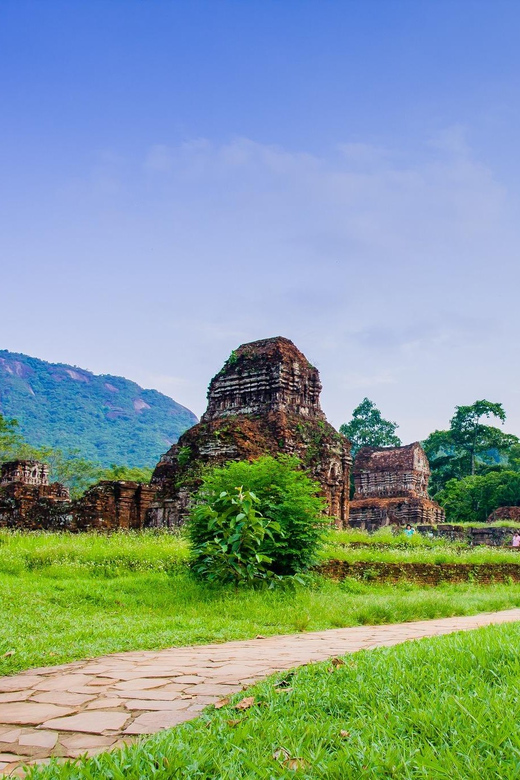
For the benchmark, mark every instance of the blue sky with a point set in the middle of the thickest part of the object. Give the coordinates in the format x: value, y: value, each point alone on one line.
x: 177, y: 178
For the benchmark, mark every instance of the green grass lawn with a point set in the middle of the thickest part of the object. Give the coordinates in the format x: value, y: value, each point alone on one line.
x: 354, y: 545
x: 438, y: 709
x: 65, y: 597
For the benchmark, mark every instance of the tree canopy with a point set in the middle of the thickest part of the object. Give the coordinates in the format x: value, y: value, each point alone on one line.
x: 369, y: 428
x: 473, y: 499
x: 469, y: 446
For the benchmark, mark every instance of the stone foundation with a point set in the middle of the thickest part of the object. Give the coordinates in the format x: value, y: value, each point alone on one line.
x: 505, y: 513
x: 372, y: 513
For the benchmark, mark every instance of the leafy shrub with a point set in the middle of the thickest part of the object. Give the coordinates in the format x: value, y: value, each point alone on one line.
x: 287, y: 499
x: 227, y: 537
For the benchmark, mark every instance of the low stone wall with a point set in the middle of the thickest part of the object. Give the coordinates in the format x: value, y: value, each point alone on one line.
x: 492, y: 535
x: 422, y: 573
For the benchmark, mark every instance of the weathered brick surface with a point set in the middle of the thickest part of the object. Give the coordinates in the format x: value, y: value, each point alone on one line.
x: 112, y: 505
x: 423, y: 573
x: 391, y: 488
x: 505, y: 513
x: 28, y: 500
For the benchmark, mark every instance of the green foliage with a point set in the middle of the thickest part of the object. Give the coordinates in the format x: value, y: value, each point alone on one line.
x: 232, y: 359
x: 9, y: 437
x: 184, y: 455
x: 368, y: 428
x: 126, y: 473
x: 108, y: 418
x: 228, y: 536
x: 287, y: 497
x: 468, y: 446
x: 474, y: 498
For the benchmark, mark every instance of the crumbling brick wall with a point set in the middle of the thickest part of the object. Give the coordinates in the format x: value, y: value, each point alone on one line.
x: 112, y: 505
x: 28, y: 500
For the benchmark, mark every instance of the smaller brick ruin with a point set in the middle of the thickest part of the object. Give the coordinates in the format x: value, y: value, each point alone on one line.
x: 28, y: 500
x: 110, y: 505
x: 391, y: 488
x: 505, y: 513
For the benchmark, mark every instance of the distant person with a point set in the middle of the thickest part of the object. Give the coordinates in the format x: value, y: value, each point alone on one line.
x: 409, y: 531
x: 515, y: 541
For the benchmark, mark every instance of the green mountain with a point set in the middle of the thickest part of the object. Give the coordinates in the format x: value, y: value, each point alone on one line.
x: 109, y: 419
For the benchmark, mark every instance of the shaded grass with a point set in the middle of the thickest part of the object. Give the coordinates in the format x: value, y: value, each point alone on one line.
x: 437, y: 709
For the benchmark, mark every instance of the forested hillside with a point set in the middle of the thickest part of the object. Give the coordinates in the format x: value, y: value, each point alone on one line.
x: 107, y: 418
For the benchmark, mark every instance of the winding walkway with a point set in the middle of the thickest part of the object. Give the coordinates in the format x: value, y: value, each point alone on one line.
x: 101, y: 704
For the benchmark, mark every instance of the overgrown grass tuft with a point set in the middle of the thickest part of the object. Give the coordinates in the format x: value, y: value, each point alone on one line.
x: 437, y: 709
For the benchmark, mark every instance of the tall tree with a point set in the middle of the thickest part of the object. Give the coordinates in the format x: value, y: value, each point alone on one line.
x: 9, y: 437
x: 470, y: 445
x: 368, y: 428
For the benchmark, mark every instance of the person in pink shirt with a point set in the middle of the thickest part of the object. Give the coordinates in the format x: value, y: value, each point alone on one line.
x: 515, y: 542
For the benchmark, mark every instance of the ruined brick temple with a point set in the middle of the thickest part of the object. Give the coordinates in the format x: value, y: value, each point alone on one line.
x: 264, y: 401
x: 28, y: 500
x: 391, y: 487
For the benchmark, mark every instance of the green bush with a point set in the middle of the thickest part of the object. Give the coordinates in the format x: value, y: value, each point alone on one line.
x: 288, y: 502
x: 228, y: 536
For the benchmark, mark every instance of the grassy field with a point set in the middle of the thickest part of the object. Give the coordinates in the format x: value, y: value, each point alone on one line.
x: 65, y: 597
x: 438, y: 709
x: 353, y: 545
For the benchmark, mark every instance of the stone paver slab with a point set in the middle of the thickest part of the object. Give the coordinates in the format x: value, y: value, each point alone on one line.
x: 90, y: 722
x: 31, y: 714
x: 151, y: 722
x: 142, y: 684
x: 105, y: 704
x: 46, y: 739
x: 18, y: 683
x: 143, y: 704
x: 14, y: 696
x: 85, y: 741
x: 65, y: 698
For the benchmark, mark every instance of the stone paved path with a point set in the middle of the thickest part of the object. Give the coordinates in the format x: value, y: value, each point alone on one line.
x: 97, y: 705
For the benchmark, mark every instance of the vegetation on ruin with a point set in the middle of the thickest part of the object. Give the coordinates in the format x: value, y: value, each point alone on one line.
x: 109, y: 419
x: 64, y: 597
x: 469, y: 734
x: 279, y: 531
x: 228, y: 534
